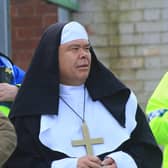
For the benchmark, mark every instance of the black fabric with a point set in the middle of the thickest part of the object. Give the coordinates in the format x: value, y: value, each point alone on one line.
x: 40, y: 89
x: 39, y: 95
x: 31, y: 152
x: 141, y: 146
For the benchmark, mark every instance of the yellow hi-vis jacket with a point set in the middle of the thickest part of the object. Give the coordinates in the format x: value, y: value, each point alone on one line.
x: 157, y: 112
x: 5, y: 110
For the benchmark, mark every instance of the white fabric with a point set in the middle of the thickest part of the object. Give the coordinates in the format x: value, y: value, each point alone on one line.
x: 123, y: 160
x: 57, y: 132
x: 65, y: 163
x: 73, y: 31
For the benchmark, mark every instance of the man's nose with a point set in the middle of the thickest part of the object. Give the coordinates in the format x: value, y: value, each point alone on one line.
x: 83, y: 52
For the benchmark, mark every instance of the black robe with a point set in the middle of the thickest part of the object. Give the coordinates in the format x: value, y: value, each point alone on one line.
x: 39, y: 95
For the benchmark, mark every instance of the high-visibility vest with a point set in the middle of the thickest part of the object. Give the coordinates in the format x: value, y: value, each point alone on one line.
x: 157, y: 112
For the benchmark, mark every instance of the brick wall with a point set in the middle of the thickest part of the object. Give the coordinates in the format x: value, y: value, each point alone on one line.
x: 131, y: 38
x: 28, y: 21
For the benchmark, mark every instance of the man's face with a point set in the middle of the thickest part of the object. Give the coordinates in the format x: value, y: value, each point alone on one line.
x: 74, y: 62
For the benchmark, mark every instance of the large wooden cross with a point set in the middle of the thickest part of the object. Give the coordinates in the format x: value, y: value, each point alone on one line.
x: 87, y: 141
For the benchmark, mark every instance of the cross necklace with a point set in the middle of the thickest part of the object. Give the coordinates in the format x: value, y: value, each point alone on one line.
x: 86, y: 141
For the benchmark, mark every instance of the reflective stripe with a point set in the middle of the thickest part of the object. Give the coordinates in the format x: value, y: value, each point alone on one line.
x: 157, y: 113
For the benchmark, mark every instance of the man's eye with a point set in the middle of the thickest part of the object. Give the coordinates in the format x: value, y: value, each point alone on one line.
x: 75, y: 48
x: 87, y: 49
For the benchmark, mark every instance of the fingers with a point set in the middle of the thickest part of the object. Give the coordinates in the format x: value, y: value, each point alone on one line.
x: 89, y: 162
x: 110, y: 166
x: 7, y: 92
x: 109, y: 163
x: 95, y: 162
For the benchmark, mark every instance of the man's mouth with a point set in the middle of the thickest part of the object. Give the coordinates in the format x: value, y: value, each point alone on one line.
x: 83, y: 66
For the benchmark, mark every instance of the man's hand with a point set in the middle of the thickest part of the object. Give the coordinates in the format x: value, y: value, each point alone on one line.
x: 108, y: 163
x: 89, y: 162
x: 7, y: 92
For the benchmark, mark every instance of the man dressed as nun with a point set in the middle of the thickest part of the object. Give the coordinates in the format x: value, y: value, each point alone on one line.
x: 72, y: 112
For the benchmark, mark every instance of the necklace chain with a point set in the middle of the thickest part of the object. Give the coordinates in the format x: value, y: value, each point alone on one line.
x: 83, y: 117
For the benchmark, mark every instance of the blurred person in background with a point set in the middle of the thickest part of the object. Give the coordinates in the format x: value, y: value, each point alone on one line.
x: 11, y: 76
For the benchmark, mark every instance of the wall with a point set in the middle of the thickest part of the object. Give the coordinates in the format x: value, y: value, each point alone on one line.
x: 28, y: 21
x: 130, y: 37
